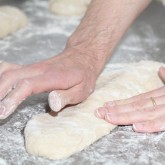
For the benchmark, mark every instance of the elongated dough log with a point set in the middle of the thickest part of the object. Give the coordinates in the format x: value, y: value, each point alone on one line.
x: 68, y: 7
x: 76, y: 127
x: 11, y: 20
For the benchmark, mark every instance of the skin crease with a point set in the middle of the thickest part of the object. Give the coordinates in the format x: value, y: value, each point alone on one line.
x: 72, y: 73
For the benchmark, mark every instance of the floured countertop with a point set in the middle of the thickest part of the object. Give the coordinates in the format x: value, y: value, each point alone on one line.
x: 44, y: 37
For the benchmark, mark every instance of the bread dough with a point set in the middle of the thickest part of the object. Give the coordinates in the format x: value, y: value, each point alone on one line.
x: 11, y: 20
x: 71, y: 7
x: 68, y: 7
x: 163, y: 1
x: 76, y: 127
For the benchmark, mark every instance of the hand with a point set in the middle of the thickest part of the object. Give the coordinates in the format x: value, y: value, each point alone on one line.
x: 70, y: 76
x: 146, y: 111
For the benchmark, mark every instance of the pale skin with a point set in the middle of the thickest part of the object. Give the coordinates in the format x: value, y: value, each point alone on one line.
x: 140, y: 111
x: 70, y: 76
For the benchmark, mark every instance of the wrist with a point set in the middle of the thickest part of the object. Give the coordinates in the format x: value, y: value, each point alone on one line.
x: 87, y: 58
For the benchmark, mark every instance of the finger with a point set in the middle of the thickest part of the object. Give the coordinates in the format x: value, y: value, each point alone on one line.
x: 4, y: 66
x: 27, y: 87
x: 58, y: 99
x: 9, y: 79
x: 38, y: 84
x: 23, y: 89
x: 135, y: 116
x: 133, y: 106
x: 101, y: 112
x: 7, y: 82
x: 10, y: 103
x: 136, y: 105
x: 152, y: 126
x: 162, y: 73
x: 154, y: 93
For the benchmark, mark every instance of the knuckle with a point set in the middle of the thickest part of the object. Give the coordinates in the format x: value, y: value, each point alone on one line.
x: 7, y: 74
x: 137, y: 105
x: 116, y: 103
x: 8, y: 67
x: 151, y: 115
x: 163, y: 89
x: 4, y: 64
x: 81, y: 76
x: 142, y: 96
x: 25, y: 82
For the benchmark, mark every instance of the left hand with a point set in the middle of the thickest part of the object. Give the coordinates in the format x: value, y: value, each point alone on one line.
x: 68, y: 76
x: 146, y: 112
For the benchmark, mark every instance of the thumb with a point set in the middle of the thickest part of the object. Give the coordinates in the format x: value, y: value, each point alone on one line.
x: 58, y: 99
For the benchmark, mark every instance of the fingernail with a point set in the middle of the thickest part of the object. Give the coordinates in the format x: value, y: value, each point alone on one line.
x: 101, y: 112
x: 110, y: 116
x: 97, y: 114
x: 107, y: 118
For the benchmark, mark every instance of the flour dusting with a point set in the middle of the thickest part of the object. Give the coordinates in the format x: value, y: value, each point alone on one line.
x: 46, y: 36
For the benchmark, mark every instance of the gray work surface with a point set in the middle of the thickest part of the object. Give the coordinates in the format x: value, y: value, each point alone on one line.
x: 44, y: 37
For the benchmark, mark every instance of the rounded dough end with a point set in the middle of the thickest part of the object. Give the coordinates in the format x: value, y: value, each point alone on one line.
x: 11, y: 20
x: 45, y: 136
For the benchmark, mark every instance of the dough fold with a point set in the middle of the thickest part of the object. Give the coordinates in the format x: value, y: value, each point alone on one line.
x: 76, y: 127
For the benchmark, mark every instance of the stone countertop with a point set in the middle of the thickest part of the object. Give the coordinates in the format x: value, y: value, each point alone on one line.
x: 44, y: 37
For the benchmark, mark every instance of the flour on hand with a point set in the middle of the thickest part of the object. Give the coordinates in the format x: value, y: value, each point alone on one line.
x: 11, y: 20
x: 76, y: 128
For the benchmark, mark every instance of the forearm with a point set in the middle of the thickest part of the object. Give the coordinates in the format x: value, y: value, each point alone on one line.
x: 102, y: 27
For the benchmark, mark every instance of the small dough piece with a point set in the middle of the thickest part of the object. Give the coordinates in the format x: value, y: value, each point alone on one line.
x: 11, y: 20
x: 76, y: 127
x: 68, y: 7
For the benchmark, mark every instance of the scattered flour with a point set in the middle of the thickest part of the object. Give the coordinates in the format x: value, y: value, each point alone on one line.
x: 122, y: 146
x: 3, y: 162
